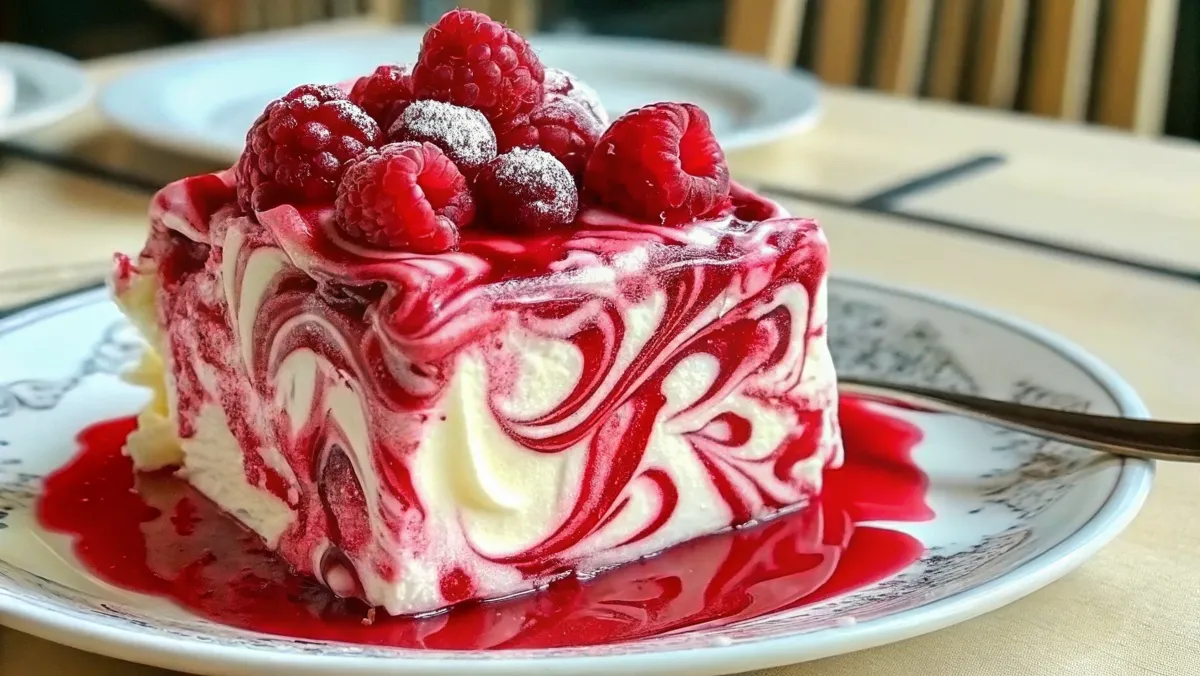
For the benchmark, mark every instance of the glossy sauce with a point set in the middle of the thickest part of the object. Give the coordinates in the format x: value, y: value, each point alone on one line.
x: 167, y: 540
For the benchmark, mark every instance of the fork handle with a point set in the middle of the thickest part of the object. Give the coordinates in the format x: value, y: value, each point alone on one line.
x: 1129, y: 437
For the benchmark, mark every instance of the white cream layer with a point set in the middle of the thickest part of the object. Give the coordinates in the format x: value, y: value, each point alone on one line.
x: 484, y: 495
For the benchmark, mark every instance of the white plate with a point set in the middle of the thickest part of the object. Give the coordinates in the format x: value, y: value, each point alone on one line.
x: 1013, y: 512
x: 46, y: 88
x: 203, y: 103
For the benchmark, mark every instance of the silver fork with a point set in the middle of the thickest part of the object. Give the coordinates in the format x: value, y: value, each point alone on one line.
x: 1130, y: 437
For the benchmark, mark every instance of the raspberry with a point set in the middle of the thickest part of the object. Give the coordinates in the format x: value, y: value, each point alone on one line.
x: 527, y: 190
x: 298, y: 148
x: 471, y: 61
x: 463, y: 134
x: 408, y: 196
x: 563, y: 128
x: 383, y: 93
x: 661, y: 163
x: 561, y: 84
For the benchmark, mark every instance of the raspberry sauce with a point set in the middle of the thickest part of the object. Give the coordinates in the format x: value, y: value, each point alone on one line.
x: 167, y: 540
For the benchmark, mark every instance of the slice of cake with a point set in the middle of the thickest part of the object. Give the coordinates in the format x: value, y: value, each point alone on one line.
x: 492, y: 346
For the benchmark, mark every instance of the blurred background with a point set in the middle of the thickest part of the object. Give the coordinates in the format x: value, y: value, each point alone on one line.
x: 1129, y: 64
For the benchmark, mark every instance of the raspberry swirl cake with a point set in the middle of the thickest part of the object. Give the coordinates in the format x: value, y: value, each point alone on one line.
x: 446, y: 334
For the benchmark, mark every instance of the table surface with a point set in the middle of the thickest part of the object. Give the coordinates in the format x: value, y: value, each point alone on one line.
x: 1026, y: 216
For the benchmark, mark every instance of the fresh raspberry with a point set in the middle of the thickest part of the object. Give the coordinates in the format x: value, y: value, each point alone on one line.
x: 298, y: 148
x: 463, y: 134
x: 563, y: 128
x: 471, y: 61
x: 408, y: 196
x: 661, y: 163
x: 383, y: 93
x: 561, y: 84
x: 527, y: 190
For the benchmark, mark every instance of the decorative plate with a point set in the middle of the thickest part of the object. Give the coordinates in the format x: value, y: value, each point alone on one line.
x: 1012, y: 512
x: 38, y: 88
x: 203, y: 103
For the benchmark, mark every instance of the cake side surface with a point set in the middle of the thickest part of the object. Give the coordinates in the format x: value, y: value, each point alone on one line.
x: 418, y: 430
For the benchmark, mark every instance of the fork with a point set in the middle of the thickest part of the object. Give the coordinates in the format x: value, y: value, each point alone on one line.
x: 1129, y: 437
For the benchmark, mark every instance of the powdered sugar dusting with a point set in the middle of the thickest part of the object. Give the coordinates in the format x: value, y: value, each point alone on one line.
x: 542, y: 174
x: 462, y: 133
x: 561, y: 83
x: 558, y: 81
x: 526, y: 190
x: 357, y: 116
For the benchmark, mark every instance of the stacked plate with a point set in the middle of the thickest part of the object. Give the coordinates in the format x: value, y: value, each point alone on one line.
x: 38, y: 88
x: 202, y: 103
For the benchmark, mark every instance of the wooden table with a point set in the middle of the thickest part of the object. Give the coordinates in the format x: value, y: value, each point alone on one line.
x: 1093, y: 234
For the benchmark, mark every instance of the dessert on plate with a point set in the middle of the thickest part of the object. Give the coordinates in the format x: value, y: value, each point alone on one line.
x: 444, y: 333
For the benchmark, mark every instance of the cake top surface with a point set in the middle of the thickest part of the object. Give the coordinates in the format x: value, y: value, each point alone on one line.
x: 755, y: 230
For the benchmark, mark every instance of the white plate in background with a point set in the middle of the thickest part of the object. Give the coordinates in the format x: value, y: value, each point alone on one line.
x: 202, y: 103
x: 38, y: 88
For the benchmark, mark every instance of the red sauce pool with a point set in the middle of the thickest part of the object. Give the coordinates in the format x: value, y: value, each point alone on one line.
x: 165, y: 539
